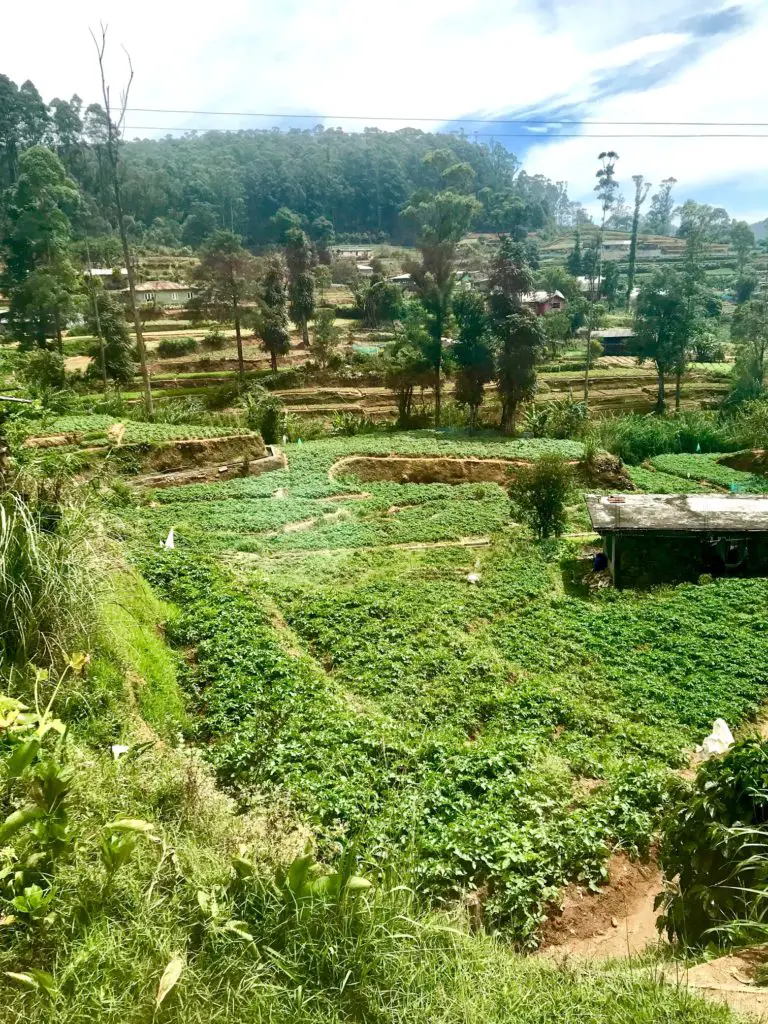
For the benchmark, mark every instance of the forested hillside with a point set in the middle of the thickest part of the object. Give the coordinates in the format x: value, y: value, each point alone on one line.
x: 177, y: 190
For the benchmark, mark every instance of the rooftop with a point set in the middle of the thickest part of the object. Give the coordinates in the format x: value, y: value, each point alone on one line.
x: 161, y: 286
x: 614, y: 332
x: 673, y: 513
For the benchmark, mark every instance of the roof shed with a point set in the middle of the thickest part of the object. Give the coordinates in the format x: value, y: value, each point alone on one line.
x: 675, y: 536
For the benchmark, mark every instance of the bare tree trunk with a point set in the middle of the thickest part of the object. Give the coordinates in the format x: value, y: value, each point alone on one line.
x: 661, y: 399
x: 589, y: 359
x: 439, y: 383
x: 59, y: 339
x: 97, y: 318
x: 113, y: 131
x: 273, y: 359
x: 305, y: 332
x: 238, y: 336
x: 678, y: 388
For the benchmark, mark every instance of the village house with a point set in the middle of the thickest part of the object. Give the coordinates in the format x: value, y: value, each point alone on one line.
x: 162, y: 293
x: 541, y: 302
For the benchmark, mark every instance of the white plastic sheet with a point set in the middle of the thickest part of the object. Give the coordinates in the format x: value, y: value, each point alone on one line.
x: 719, y: 740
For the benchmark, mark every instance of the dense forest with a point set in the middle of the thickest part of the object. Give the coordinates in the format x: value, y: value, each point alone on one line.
x: 178, y: 190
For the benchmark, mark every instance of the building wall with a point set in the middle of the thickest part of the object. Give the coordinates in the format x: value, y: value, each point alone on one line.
x: 649, y: 559
x: 163, y: 298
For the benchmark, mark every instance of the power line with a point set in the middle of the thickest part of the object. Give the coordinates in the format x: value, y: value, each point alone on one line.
x: 451, y: 120
x: 494, y: 135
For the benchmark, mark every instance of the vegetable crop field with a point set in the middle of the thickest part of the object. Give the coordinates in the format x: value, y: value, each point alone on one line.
x: 487, y: 741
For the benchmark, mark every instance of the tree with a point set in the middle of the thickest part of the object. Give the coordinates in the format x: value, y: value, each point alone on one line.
x: 301, y: 283
x: 743, y: 242
x: 322, y: 234
x: 540, y: 492
x: 407, y: 365
x: 663, y: 326
x: 272, y: 318
x: 441, y: 222
x: 226, y: 278
x: 574, y: 256
x: 519, y: 333
x: 659, y: 219
x: 606, y: 189
x: 38, y: 275
x: 323, y: 280
x: 107, y: 317
x: 113, y: 135
x: 473, y: 351
x: 642, y: 187
x: 379, y: 300
x: 325, y: 337
x: 749, y: 330
x: 610, y: 285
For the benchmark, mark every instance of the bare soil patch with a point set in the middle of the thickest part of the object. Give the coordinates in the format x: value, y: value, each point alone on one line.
x: 755, y: 461
x: 605, y: 470
x: 618, y: 921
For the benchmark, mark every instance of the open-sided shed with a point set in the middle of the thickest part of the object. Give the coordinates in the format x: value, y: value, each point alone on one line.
x: 661, y: 537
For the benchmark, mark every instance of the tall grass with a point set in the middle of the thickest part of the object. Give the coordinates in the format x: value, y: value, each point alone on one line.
x: 47, y: 582
x: 635, y: 437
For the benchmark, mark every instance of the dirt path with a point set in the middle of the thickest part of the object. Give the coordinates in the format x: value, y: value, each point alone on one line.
x: 618, y: 921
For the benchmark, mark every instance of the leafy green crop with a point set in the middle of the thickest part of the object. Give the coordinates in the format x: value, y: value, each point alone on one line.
x: 446, y: 728
x: 707, y: 468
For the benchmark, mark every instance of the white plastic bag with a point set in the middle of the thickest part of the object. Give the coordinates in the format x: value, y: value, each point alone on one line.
x: 718, y: 741
x: 169, y: 544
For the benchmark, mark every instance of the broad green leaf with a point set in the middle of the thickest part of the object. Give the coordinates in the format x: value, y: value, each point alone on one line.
x: 35, y: 980
x: 169, y: 978
x: 356, y: 883
x: 18, y: 820
x: 22, y: 757
x: 129, y: 825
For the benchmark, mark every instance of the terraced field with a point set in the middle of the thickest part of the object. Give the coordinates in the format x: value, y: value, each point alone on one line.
x: 487, y: 738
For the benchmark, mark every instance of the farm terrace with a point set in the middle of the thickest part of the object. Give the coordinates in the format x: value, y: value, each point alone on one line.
x: 660, y: 537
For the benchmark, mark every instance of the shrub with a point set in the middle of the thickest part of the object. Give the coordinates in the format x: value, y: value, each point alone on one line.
x: 715, y: 846
x: 540, y: 492
x: 213, y: 342
x: 41, y: 370
x: 264, y: 412
x: 561, y: 418
x: 170, y: 347
x: 635, y: 438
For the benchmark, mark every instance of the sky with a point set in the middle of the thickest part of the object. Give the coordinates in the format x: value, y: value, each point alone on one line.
x: 431, y: 63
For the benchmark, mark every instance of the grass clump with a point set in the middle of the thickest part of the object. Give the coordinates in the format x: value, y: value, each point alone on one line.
x: 47, y: 581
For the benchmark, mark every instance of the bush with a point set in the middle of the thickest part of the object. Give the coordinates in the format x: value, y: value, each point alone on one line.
x: 715, y: 844
x: 349, y: 313
x: 540, y: 492
x: 264, y: 412
x: 170, y: 347
x: 560, y: 419
x: 41, y: 370
x: 635, y: 438
x: 213, y: 342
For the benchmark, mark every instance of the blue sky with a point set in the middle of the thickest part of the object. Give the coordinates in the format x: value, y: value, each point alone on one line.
x: 595, y: 60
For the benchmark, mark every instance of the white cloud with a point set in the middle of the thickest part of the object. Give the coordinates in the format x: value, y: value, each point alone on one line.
x: 428, y: 59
